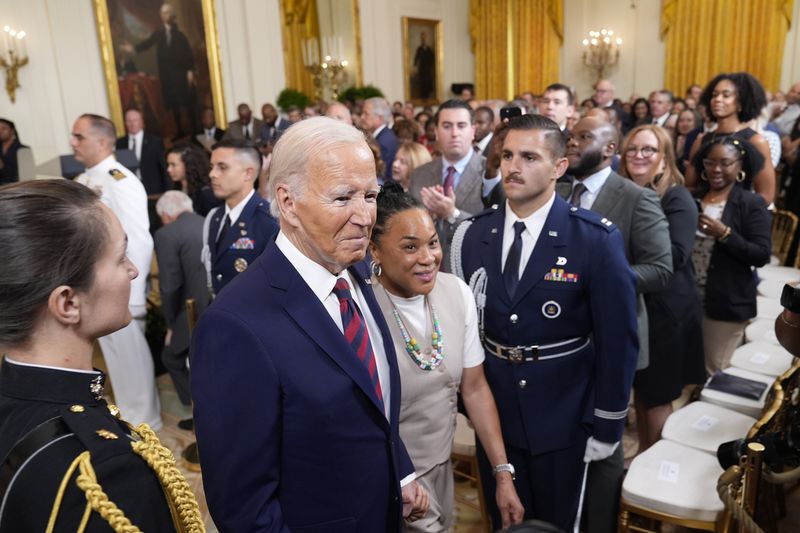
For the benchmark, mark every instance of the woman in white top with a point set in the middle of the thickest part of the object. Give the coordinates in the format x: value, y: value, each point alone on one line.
x: 433, y: 320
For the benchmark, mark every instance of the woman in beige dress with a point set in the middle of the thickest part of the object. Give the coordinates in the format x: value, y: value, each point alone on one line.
x: 433, y: 320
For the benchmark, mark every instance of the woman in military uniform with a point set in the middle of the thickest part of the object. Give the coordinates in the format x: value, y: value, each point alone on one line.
x: 68, y: 462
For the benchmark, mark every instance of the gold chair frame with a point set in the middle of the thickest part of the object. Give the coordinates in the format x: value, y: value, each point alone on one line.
x: 784, y: 225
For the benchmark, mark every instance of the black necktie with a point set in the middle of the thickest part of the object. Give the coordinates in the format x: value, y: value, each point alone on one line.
x: 511, y: 270
x: 226, y: 225
x: 575, y: 199
x: 247, y: 132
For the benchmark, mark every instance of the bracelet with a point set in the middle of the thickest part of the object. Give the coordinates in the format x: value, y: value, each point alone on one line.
x: 725, y: 234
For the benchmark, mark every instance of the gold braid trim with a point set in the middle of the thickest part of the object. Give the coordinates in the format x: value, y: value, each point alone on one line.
x: 182, y: 503
x: 186, y: 513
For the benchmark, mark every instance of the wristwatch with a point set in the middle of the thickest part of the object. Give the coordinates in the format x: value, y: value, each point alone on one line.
x: 508, y: 467
x: 452, y: 218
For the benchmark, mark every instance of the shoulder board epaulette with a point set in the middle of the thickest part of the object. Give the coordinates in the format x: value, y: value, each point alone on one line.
x: 117, y: 174
x: 488, y: 211
x: 593, y: 218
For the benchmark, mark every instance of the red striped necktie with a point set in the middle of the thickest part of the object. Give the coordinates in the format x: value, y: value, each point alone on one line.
x: 356, y: 334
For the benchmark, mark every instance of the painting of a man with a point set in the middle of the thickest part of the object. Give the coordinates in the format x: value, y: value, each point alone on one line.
x: 425, y: 67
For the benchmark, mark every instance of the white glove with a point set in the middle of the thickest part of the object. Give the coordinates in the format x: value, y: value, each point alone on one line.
x: 597, y: 450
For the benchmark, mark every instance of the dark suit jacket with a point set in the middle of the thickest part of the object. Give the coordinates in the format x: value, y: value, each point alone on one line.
x: 468, y: 195
x: 174, y: 61
x: 152, y: 164
x: 181, y: 274
x: 387, y: 140
x: 731, y: 284
x: 290, y: 434
x: 271, y: 133
x: 637, y: 213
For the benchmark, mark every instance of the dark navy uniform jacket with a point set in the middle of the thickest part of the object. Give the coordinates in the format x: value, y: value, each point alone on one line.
x: 242, y: 244
x: 576, y: 283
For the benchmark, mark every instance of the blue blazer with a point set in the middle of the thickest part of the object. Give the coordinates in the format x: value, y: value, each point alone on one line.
x: 387, y: 140
x: 243, y: 243
x: 291, y: 437
x: 548, y: 405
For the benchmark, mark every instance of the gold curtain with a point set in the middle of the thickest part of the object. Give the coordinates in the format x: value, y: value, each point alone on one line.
x: 300, y: 22
x: 516, y: 45
x: 706, y: 37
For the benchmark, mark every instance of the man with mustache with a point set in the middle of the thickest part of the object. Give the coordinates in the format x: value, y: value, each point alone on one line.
x: 557, y: 311
x: 294, y: 374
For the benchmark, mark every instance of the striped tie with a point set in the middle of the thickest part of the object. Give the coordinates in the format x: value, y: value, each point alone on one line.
x: 355, y: 333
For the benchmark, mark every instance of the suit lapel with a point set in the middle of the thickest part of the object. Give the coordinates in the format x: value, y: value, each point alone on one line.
x: 608, y: 196
x: 546, y: 251
x: 470, y: 179
x: 310, y: 315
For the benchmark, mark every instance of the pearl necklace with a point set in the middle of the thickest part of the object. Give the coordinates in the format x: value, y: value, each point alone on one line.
x: 412, y: 347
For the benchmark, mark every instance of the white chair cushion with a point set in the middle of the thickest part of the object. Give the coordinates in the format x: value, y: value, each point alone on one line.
x: 768, y: 308
x: 761, y: 330
x: 763, y: 358
x: 779, y: 273
x: 705, y: 426
x: 771, y: 288
x: 737, y: 403
x: 672, y: 478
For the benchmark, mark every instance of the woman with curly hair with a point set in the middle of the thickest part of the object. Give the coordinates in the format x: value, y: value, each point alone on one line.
x: 733, y: 100
x: 188, y: 168
x: 734, y: 237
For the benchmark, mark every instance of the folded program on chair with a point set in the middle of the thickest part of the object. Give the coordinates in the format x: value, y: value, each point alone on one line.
x: 738, y: 386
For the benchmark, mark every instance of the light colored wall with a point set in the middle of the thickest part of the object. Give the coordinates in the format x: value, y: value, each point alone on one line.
x: 641, y: 63
x: 382, y: 51
x: 790, y: 68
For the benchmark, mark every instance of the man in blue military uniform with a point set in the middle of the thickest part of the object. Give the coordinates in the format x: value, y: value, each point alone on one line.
x: 557, y: 305
x: 234, y: 236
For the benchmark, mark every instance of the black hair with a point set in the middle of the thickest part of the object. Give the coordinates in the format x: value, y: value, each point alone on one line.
x: 391, y: 200
x: 749, y: 93
x: 539, y: 122
x: 195, y: 162
x: 11, y: 125
x: 486, y: 109
x: 562, y: 87
x: 751, y: 157
x: 43, y: 252
x: 454, y: 103
x: 246, y: 147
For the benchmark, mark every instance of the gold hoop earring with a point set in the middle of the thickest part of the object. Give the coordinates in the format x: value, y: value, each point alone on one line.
x: 741, y: 176
x: 703, y: 175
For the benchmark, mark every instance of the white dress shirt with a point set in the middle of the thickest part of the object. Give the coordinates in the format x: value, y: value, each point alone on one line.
x: 459, y: 165
x: 534, y: 223
x: 135, y: 144
x: 593, y: 185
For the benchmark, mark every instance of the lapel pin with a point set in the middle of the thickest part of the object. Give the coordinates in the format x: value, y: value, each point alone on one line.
x: 494, y: 230
x: 552, y: 233
x: 561, y: 261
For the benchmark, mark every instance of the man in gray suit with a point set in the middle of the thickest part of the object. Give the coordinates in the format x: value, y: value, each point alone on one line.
x: 637, y: 213
x: 451, y: 186
x: 181, y: 275
x: 246, y: 126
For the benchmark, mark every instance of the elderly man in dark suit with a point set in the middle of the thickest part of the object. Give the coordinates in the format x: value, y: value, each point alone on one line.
x: 181, y: 276
x: 149, y: 151
x: 451, y: 186
x: 637, y: 213
x: 294, y: 374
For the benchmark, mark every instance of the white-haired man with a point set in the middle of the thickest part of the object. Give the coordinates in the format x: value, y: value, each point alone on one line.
x: 180, y: 277
x: 126, y: 352
x: 376, y: 116
x: 297, y: 420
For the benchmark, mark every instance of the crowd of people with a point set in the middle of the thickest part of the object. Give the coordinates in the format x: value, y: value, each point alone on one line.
x: 360, y: 269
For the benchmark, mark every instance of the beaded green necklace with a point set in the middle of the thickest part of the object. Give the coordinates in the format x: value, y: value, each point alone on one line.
x: 412, y: 347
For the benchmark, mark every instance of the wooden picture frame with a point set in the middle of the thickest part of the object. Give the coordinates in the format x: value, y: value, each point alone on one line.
x: 423, y: 61
x: 134, y: 56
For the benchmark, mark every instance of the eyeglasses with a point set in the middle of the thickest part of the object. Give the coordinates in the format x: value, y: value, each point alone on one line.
x: 709, y: 164
x: 646, y: 151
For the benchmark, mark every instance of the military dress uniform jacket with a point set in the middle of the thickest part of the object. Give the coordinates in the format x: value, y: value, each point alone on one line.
x: 242, y: 244
x: 123, y: 192
x: 48, y: 417
x: 577, y: 287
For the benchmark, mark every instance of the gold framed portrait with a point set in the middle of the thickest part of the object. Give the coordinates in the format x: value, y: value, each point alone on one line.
x: 422, y: 60
x: 162, y: 59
